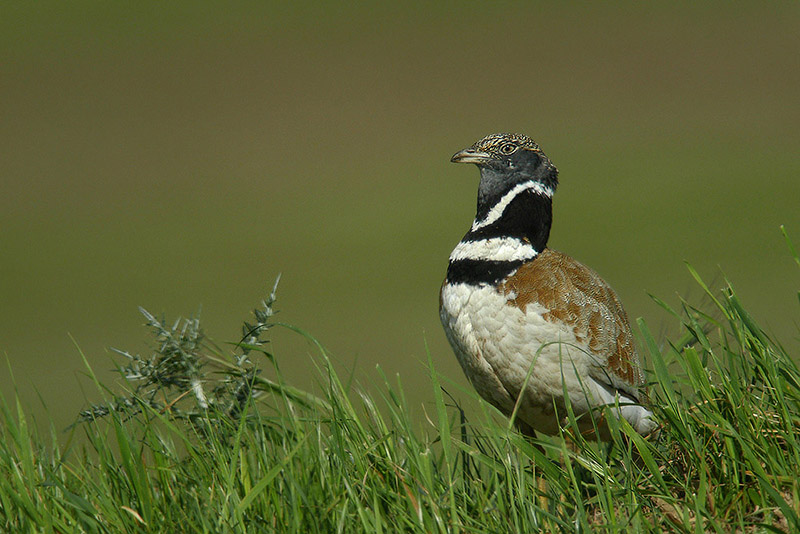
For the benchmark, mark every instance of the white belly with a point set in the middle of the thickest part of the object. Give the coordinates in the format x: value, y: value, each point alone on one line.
x: 500, y: 347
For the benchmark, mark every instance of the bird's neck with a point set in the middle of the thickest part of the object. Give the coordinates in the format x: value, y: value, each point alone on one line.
x: 524, y: 211
x: 509, y: 230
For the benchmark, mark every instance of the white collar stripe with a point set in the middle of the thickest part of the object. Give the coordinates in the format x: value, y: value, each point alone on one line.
x: 497, y: 210
x: 494, y: 249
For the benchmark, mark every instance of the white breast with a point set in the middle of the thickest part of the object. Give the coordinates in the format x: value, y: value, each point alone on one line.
x: 499, y: 346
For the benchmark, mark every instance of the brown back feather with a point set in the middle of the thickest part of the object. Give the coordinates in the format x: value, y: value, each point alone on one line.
x: 577, y: 296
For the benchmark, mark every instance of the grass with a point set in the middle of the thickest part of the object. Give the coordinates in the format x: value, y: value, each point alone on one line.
x: 202, y: 440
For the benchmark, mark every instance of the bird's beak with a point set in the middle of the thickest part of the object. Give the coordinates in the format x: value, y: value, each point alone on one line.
x: 470, y: 155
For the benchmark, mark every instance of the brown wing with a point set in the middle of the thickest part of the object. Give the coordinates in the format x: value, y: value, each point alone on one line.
x: 577, y: 296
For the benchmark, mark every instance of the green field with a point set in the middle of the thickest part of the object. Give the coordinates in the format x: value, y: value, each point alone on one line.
x: 178, y: 157
x: 200, y: 441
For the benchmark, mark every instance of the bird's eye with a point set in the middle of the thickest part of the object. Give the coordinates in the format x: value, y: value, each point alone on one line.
x: 508, y: 148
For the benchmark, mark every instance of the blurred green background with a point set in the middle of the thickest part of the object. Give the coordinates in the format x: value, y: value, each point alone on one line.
x: 173, y: 155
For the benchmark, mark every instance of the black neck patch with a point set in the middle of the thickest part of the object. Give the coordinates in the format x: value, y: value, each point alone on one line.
x: 477, y: 272
x: 528, y: 216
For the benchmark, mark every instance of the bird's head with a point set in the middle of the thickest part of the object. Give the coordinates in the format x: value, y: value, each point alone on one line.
x: 506, y: 160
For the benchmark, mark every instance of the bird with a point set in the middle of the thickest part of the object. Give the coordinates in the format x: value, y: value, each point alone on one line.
x: 529, y: 325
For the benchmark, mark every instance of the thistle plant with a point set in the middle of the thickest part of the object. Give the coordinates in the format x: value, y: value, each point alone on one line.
x: 186, y: 375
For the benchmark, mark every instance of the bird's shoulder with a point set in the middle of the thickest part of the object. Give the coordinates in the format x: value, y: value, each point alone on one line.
x: 575, y: 295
